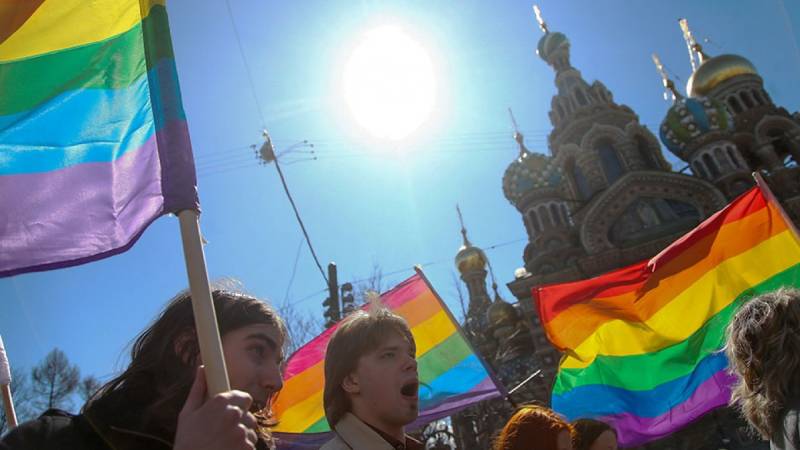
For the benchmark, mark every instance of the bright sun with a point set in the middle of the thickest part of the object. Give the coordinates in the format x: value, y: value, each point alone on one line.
x: 389, y: 83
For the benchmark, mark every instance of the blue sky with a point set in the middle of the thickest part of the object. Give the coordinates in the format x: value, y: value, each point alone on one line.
x: 366, y: 202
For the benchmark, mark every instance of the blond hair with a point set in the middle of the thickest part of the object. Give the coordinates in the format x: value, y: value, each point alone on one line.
x: 763, y: 348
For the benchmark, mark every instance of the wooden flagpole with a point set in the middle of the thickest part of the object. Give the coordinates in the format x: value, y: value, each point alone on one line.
x: 205, y: 318
x: 762, y: 184
x: 5, y: 387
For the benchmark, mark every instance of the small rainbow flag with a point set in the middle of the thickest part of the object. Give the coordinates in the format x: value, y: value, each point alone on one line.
x: 643, y: 344
x: 93, y: 139
x: 451, y: 375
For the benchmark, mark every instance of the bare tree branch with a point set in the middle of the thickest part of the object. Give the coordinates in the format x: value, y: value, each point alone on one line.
x: 22, y: 396
x: 54, y: 380
x: 88, y: 386
x: 301, y: 327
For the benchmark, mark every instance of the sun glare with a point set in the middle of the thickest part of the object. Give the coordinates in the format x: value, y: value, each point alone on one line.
x: 389, y: 83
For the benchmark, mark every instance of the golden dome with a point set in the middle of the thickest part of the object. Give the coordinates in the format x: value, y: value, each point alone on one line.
x: 716, y: 70
x: 470, y: 258
x: 501, y: 312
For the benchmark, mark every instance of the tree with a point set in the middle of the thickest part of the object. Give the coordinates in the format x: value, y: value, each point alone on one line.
x: 373, y: 283
x: 88, y: 386
x: 54, y: 380
x: 21, y: 394
x: 300, y: 327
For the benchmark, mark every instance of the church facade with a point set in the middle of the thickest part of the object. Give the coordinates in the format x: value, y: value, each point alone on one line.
x: 605, y: 197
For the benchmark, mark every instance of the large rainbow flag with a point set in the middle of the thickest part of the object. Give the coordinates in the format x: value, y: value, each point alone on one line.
x: 451, y: 375
x: 93, y: 139
x: 643, y: 344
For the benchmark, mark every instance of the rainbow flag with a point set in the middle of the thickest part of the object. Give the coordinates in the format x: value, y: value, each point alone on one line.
x: 643, y: 344
x: 93, y: 139
x: 451, y: 375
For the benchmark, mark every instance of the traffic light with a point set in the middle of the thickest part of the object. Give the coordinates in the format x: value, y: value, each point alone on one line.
x: 348, y: 300
x: 332, y: 313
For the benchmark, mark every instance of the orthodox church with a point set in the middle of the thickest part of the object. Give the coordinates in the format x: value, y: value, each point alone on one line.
x: 605, y: 197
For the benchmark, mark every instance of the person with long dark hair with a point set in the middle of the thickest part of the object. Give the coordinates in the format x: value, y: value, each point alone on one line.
x: 160, y: 401
x: 763, y: 349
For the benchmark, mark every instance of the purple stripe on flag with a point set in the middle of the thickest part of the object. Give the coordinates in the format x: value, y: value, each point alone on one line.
x: 485, y: 390
x: 85, y: 212
x: 634, y: 430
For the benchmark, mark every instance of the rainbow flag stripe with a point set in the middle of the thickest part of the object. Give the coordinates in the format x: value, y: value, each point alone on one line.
x: 643, y: 344
x: 94, y: 144
x: 451, y: 375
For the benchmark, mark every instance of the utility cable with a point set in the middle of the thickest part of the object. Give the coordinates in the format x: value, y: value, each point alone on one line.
x: 263, y: 123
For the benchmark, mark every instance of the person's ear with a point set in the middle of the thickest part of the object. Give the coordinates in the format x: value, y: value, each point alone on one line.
x: 350, y: 384
x: 185, y: 346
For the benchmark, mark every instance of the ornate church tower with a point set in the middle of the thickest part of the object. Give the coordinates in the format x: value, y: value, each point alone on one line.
x: 502, y: 336
x: 603, y: 198
x: 735, y: 127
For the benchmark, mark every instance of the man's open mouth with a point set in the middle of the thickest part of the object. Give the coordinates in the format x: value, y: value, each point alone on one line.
x: 410, y: 389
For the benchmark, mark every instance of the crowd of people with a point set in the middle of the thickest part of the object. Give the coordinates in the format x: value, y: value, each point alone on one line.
x: 371, y: 393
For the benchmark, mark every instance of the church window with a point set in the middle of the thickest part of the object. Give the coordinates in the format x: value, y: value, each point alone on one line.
x: 647, y: 156
x: 746, y: 99
x: 713, y: 169
x: 581, y: 98
x: 733, y: 102
x: 609, y: 159
x: 698, y: 168
x: 648, y: 218
x: 732, y: 156
x: 722, y: 159
x: 555, y: 214
x: 683, y: 209
x: 545, y: 216
x: 758, y: 98
x: 534, y: 221
x: 581, y: 183
x: 565, y: 214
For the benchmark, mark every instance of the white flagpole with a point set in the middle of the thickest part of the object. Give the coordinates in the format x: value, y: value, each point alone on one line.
x: 202, y: 304
x: 5, y: 386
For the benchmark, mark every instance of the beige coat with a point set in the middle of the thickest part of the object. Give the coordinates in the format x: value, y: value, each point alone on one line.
x: 353, y: 434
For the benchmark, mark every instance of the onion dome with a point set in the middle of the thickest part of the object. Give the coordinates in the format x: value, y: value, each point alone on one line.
x: 528, y: 172
x: 714, y: 71
x: 689, y: 118
x: 550, y: 44
x: 469, y: 257
x: 501, y: 312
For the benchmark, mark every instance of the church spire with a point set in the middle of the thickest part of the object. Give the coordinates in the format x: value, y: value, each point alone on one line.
x: 467, y: 243
x: 695, y: 49
x: 523, y: 151
x: 668, y: 84
x: 540, y: 19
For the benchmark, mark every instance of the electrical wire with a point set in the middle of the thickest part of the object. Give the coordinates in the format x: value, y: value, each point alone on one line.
x: 263, y: 124
x: 299, y: 220
x: 406, y: 269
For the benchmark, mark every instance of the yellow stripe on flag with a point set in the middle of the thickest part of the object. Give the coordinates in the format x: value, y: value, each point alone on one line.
x: 690, y: 309
x: 61, y: 24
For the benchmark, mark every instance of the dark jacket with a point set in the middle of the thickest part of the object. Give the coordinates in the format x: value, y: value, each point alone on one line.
x: 789, y: 437
x: 59, y: 430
